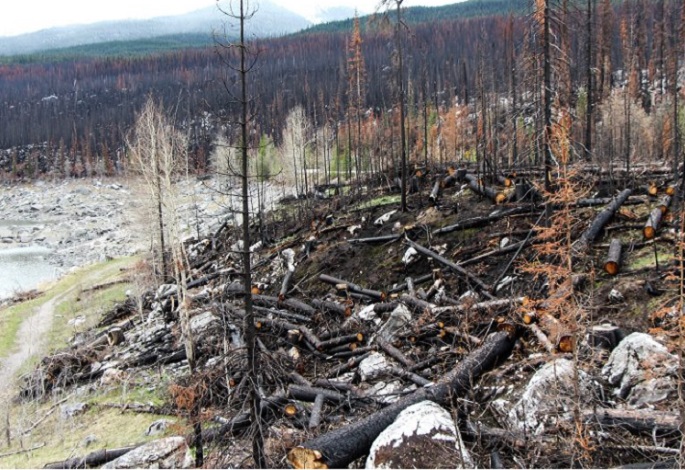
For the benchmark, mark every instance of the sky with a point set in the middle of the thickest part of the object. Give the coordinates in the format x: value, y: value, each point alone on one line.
x: 24, y: 16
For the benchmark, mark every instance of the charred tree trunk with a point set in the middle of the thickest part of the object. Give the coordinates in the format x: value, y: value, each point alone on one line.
x: 336, y: 449
x: 600, y: 221
x: 613, y: 262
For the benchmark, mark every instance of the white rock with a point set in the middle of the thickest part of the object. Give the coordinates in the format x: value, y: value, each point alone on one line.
x: 170, y: 452
x: 642, y: 369
x: 385, y: 392
x: 409, y: 256
x: 615, y: 296
x: 397, y: 320
x: 384, y: 218
x: 550, y: 396
x: 165, y: 290
x: 423, y: 436
x: 369, y: 314
x: 372, y: 366
x: 201, y: 323
x: 157, y: 427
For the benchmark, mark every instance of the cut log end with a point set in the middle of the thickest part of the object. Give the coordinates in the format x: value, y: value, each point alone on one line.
x: 566, y: 344
x: 611, y: 267
x: 529, y: 317
x: 300, y: 457
x: 649, y: 232
x: 500, y: 198
x: 290, y: 410
x: 653, y: 190
x: 670, y: 190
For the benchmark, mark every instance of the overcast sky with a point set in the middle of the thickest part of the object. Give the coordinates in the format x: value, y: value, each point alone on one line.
x: 23, y: 16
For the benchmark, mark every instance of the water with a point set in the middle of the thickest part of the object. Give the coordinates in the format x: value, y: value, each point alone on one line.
x: 23, y: 269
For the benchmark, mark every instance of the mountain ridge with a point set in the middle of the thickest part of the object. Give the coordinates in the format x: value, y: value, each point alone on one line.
x: 274, y: 20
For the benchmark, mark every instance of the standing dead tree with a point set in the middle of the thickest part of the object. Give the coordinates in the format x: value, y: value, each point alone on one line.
x: 241, y: 11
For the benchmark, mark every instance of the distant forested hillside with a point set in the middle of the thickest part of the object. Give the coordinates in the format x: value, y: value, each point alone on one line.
x: 80, y: 103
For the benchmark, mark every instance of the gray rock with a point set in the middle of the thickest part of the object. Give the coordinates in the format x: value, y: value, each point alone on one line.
x: 69, y: 411
x: 399, y: 317
x: 170, y: 452
x: 373, y: 366
x: 157, y: 427
x: 641, y: 369
x: 550, y: 396
x: 199, y: 324
x: 423, y: 436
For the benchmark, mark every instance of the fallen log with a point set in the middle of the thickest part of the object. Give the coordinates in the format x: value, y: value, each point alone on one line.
x: 560, y: 337
x: 290, y: 304
x: 395, y: 353
x: 645, y: 422
x: 22, y: 451
x: 336, y: 449
x: 485, y: 289
x: 483, y: 221
x: 477, y: 186
x: 652, y: 224
x: 665, y: 203
x: 418, y: 280
x: 304, y: 393
x: 352, y: 287
x: 94, y: 459
x: 285, y: 285
x: 592, y: 232
x: 379, y: 239
x: 481, y: 307
x: 343, y: 310
x: 317, y: 409
x: 613, y: 262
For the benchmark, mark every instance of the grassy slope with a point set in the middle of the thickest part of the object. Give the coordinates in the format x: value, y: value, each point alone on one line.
x: 64, y: 438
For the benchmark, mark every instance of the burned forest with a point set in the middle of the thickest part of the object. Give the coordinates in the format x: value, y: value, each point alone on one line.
x: 453, y: 243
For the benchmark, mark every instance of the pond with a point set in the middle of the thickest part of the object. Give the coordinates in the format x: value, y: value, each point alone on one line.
x: 24, y: 268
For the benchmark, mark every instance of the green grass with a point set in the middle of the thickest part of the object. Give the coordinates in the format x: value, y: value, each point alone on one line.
x: 70, y: 286
x: 379, y: 201
x: 64, y: 438
x: 11, y: 319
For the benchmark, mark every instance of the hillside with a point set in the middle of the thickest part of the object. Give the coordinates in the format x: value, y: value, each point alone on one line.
x: 466, y: 320
x: 418, y: 15
x: 132, y: 35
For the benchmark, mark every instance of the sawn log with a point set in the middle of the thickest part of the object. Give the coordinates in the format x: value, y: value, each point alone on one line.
x: 336, y: 449
x: 600, y: 221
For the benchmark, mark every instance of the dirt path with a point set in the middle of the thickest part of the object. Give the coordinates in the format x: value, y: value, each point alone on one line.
x: 30, y: 340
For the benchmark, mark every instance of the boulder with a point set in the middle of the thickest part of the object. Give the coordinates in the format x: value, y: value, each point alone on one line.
x: 199, y: 324
x: 642, y: 370
x: 422, y: 436
x: 158, y: 427
x: 373, y: 366
x: 399, y: 317
x: 550, y: 396
x: 71, y: 410
x: 170, y: 452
